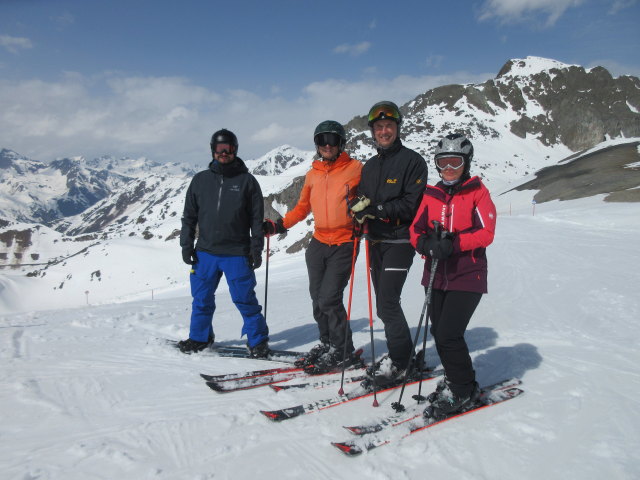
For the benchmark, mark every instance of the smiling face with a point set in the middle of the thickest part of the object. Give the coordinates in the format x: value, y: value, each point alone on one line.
x: 385, y: 132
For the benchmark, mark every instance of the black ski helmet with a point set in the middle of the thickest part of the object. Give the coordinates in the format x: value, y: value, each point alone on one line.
x: 223, y: 136
x: 384, y: 110
x: 331, y: 126
x: 455, y: 144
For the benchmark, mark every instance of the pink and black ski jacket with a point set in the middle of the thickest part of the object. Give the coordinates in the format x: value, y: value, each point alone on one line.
x: 468, y: 211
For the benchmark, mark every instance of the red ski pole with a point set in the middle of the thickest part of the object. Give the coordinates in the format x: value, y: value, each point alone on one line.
x: 373, y: 355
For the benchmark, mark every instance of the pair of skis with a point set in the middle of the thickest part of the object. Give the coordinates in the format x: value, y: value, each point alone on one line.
x: 400, y: 425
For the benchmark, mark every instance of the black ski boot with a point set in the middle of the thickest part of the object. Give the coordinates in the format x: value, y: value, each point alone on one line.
x: 445, y: 401
x: 259, y: 351
x: 313, y: 355
x: 190, y: 346
x: 331, y: 361
x: 387, y: 373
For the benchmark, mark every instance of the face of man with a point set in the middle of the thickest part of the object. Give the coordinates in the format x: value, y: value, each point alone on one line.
x: 225, y: 153
x: 385, y: 132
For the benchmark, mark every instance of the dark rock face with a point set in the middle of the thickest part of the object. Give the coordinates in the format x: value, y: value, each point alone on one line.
x: 614, y: 171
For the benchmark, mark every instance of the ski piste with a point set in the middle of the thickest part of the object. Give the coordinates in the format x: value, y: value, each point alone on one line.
x: 284, y: 356
x: 416, y: 422
x: 360, y: 392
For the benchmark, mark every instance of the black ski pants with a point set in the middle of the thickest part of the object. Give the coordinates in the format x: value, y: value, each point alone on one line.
x: 390, y: 263
x: 329, y: 268
x: 451, y: 312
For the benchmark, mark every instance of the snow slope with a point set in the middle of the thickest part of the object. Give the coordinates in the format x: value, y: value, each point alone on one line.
x: 87, y: 393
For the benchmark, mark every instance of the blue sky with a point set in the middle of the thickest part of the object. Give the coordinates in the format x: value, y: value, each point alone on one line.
x: 156, y: 78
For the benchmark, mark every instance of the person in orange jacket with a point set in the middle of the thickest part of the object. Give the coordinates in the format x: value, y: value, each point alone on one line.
x: 329, y: 186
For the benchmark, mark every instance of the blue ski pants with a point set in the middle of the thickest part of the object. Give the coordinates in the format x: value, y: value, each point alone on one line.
x: 205, y: 278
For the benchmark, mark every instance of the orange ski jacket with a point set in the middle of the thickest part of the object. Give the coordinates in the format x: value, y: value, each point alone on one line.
x: 328, y: 186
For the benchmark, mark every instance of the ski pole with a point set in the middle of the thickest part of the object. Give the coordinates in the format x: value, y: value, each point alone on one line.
x: 346, y: 324
x: 266, y: 280
x: 397, y: 406
x: 373, y: 355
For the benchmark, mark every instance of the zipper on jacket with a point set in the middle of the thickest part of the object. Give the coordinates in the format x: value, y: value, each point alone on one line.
x: 220, y: 194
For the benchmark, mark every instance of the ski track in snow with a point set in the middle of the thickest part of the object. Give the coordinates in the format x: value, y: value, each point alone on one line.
x: 91, y: 393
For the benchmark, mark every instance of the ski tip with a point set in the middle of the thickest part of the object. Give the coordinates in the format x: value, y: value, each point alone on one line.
x: 215, y: 387
x: 271, y: 415
x: 347, y: 448
x: 276, y: 388
x: 354, y: 430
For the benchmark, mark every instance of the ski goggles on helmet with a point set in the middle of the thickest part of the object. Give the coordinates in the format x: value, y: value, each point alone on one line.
x: 227, y: 148
x: 383, y: 111
x: 450, y: 161
x: 322, y: 139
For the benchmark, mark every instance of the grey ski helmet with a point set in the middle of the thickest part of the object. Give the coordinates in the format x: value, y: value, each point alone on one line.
x: 455, y: 144
x: 224, y: 136
x: 384, y: 110
x: 331, y: 126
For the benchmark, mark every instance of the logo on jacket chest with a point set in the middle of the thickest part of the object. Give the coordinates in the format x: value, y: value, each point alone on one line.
x: 392, y: 181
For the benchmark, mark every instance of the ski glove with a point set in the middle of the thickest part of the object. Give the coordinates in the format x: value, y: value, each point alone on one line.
x: 255, y: 260
x: 364, y: 214
x: 269, y: 227
x: 435, y: 246
x: 358, y: 204
x: 189, y: 256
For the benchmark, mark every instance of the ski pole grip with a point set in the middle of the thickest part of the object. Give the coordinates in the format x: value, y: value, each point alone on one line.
x: 437, y: 226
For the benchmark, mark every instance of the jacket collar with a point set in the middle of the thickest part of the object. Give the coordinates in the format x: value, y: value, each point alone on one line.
x: 236, y: 167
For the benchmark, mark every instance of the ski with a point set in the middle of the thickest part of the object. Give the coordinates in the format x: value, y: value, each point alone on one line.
x: 318, y: 383
x: 418, y: 423
x: 360, y: 392
x: 284, y: 356
x: 404, y: 416
x: 250, y: 374
x: 248, y: 382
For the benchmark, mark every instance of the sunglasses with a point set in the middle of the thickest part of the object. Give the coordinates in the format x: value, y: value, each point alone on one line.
x: 225, y: 148
x: 454, y: 162
x: 322, y: 139
x: 384, y: 111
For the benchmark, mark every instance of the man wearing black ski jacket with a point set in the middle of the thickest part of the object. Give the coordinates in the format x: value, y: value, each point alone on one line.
x: 390, y: 191
x: 224, y: 205
x: 225, y: 201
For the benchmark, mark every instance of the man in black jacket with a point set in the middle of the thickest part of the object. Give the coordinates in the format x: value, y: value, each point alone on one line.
x: 225, y: 203
x: 390, y: 191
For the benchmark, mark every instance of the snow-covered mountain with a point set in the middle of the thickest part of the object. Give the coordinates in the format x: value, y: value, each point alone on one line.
x: 37, y: 192
x: 536, y: 113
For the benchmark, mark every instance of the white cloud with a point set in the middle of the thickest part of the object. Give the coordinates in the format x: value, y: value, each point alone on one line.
x: 522, y: 10
x: 618, y: 5
x: 354, y: 50
x: 172, y: 119
x: 14, y: 44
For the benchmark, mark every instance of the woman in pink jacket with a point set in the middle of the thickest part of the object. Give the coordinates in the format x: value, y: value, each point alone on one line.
x: 462, y: 207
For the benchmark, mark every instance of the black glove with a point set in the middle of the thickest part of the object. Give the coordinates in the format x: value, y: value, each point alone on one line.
x: 434, y: 245
x: 255, y: 260
x: 269, y: 227
x: 189, y: 256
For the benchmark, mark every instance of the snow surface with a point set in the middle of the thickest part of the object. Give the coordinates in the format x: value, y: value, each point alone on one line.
x: 87, y: 393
